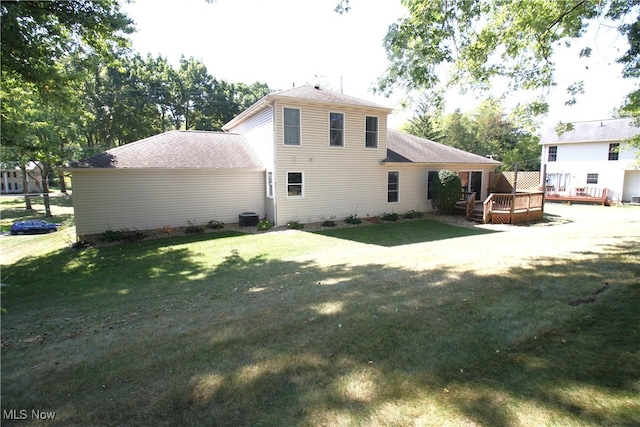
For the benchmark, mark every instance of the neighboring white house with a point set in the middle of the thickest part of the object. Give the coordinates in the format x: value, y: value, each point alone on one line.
x: 12, y: 182
x: 592, y: 155
x: 302, y: 154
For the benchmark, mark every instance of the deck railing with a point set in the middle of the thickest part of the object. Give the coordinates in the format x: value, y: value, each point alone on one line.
x: 468, y: 198
x: 513, y: 208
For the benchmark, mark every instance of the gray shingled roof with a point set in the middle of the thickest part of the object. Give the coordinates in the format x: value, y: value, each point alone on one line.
x: 317, y: 93
x: 595, y: 130
x: 405, y: 148
x: 178, y: 150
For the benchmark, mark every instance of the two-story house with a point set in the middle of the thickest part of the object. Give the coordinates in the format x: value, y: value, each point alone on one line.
x: 13, y: 181
x: 592, y: 155
x: 303, y: 154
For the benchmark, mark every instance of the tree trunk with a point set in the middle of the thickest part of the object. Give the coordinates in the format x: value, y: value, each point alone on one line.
x: 63, y: 184
x: 45, y: 191
x: 25, y: 186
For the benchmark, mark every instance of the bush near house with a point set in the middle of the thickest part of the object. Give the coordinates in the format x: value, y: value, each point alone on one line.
x: 445, y: 190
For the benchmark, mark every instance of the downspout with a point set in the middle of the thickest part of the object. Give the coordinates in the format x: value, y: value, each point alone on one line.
x: 275, y: 165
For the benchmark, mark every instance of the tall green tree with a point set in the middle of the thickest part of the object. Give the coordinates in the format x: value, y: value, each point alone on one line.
x: 481, y: 41
x: 37, y: 35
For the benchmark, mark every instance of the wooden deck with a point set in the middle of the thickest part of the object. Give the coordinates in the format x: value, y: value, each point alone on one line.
x: 579, y: 195
x: 504, y: 208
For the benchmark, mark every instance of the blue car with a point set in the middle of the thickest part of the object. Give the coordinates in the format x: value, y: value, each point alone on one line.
x: 33, y: 227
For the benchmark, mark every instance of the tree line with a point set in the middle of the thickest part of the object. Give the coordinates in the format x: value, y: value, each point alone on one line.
x: 72, y: 86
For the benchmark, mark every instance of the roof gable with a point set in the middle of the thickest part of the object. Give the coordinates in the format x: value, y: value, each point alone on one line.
x: 178, y: 150
x: 405, y: 148
x: 592, y: 131
x: 305, y: 94
x: 318, y: 94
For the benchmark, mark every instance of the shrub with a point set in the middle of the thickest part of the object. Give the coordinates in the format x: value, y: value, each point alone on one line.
x: 110, y: 236
x: 264, y: 224
x: 389, y: 217
x: 353, y: 219
x: 446, y: 189
x: 412, y: 214
x: 328, y: 222
x: 133, y: 236
x: 168, y: 230
x: 215, y: 225
x: 295, y: 225
x: 194, y: 229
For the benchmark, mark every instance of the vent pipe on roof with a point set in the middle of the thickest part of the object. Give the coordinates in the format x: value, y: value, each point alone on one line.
x: 601, y: 124
x: 317, y: 87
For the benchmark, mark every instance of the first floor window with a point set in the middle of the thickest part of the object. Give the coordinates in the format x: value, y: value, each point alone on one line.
x: 614, y: 150
x: 592, y: 178
x: 336, y: 129
x: 553, y: 153
x: 430, y: 178
x: 393, y: 186
x: 269, y: 184
x: 295, y: 185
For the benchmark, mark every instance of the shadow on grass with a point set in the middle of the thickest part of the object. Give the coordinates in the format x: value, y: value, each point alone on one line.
x: 403, y: 233
x: 255, y: 341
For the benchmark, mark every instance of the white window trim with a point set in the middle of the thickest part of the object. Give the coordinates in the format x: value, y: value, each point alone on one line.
x: 398, y: 191
x: 377, y: 133
x: 299, y: 127
x: 344, y: 129
x: 270, y: 188
x: 301, y: 196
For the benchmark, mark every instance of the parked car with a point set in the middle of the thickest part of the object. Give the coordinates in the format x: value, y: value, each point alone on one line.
x: 33, y: 227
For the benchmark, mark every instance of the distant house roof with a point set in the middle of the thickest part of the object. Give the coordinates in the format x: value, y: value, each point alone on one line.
x: 30, y: 166
x: 306, y: 93
x: 405, y: 148
x: 177, y: 150
x: 592, y: 131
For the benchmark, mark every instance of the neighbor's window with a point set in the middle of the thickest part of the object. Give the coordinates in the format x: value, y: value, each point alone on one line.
x: 393, y: 186
x: 614, y: 150
x: 291, y: 126
x: 295, y: 185
x: 336, y: 129
x: 371, y: 132
x: 553, y: 153
x: 269, y: 184
x: 592, y: 178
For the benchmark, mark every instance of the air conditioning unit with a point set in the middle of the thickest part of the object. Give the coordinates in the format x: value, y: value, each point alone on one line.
x: 635, y: 199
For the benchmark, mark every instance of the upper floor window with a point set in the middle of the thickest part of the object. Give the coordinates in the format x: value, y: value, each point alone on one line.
x: 291, y: 126
x: 336, y: 129
x: 614, y: 150
x: 553, y: 153
x: 371, y: 132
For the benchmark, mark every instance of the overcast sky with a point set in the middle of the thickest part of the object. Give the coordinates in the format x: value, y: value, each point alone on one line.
x: 287, y: 42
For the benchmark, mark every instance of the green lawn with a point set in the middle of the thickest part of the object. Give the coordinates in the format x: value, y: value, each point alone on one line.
x: 410, y: 323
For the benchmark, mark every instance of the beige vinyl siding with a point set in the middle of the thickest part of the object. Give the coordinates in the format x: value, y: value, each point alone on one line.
x: 150, y: 199
x: 413, y: 183
x: 338, y: 181
x: 258, y: 130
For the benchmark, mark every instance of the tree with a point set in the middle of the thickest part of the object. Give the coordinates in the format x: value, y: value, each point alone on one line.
x: 481, y: 41
x: 37, y: 35
x: 486, y: 131
x: 446, y: 189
